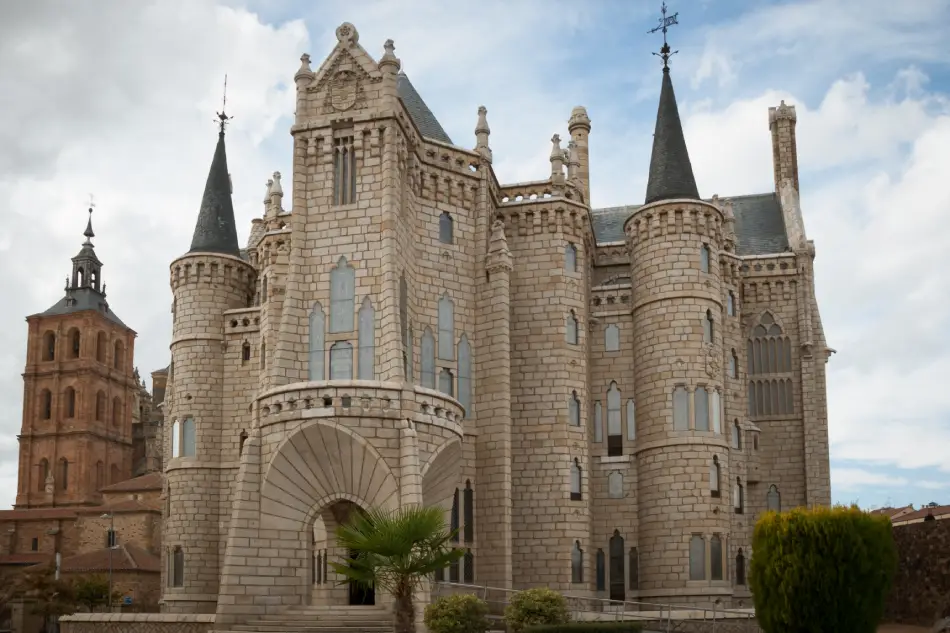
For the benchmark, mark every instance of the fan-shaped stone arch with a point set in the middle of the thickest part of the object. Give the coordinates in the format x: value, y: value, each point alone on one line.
x: 318, y: 464
x: 441, y: 475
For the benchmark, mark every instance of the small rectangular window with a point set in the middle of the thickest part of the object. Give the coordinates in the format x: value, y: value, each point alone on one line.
x: 35, y: 544
x: 697, y: 558
x: 704, y: 257
x: 680, y: 409
x: 612, y: 338
x: 188, y: 439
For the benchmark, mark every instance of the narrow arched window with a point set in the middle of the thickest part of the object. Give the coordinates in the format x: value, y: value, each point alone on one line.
x: 680, y: 409
x: 43, y: 475
x: 176, y: 439
x: 612, y: 338
x: 245, y: 352
x: 733, y: 365
x: 117, y: 355
x: 715, y: 410
x: 447, y: 382
x: 708, y: 327
x: 404, y: 326
x: 465, y: 375
x: 263, y: 354
x: 264, y: 289
x: 242, y: 439
x: 714, y: 477
x: 634, y: 565
x: 446, y: 228
x: 572, y: 330
x: 454, y: 519
x: 736, y: 435
x: 468, y: 567
x: 598, y: 422
x: 570, y: 258
x: 773, y: 500
x: 341, y: 361
x: 631, y: 420
x: 428, y: 359
x: 63, y: 474
x: 704, y: 257
x: 601, y: 571
x: 617, y: 567
x: 49, y: 346
x: 101, y: 347
x: 366, y: 366
x: 74, y: 343
x: 701, y: 406
x: 614, y: 423
x: 188, y: 437
x: 446, y: 328
x: 178, y: 567
x: 577, y: 563
x: 715, y: 557
x: 317, y: 356
x: 116, y: 412
x: 46, y: 404
x: 574, y: 410
x: 575, y: 480
x: 697, y: 558
x: 342, y: 296
x: 468, y: 512
x: 731, y: 303
x: 738, y: 497
x: 70, y: 402
x: 740, y: 568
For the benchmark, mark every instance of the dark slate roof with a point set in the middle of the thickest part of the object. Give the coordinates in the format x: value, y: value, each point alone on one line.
x: 215, y: 231
x: 421, y: 115
x: 79, y: 299
x: 760, y: 228
x: 671, y: 174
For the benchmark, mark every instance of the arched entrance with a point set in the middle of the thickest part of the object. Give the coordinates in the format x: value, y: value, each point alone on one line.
x: 329, y: 587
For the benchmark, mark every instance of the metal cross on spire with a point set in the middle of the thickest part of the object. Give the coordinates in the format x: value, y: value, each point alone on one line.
x: 224, y: 119
x: 665, y: 22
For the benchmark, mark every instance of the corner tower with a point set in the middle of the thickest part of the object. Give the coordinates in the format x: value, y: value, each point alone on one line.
x: 207, y: 280
x: 674, y: 241
x: 79, y: 390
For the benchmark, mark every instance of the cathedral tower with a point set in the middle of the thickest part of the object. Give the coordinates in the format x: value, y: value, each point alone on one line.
x: 79, y: 390
x: 207, y: 280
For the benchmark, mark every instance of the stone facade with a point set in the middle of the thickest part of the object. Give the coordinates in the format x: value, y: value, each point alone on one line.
x: 921, y: 591
x: 603, y: 400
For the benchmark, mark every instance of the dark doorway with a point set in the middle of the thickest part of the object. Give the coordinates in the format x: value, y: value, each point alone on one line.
x: 360, y: 594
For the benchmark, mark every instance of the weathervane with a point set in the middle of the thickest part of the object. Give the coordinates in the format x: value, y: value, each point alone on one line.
x: 223, y: 118
x: 92, y: 203
x: 665, y: 23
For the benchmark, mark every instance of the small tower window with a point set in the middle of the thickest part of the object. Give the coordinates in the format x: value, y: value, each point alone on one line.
x: 46, y: 404
x: 740, y: 568
x: 704, y: 257
x: 574, y: 410
x: 74, y: 343
x: 773, y: 500
x: 614, y: 423
x: 708, y: 327
x: 680, y: 409
x: 612, y: 338
x: 35, y: 544
x: 110, y: 538
x: 738, y: 497
x: 176, y: 439
x: 577, y: 563
x: 446, y: 328
x: 49, y: 346
x: 188, y: 439
x: 428, y: 359
x: 715, y: 557
x: 575, y: 480
x: 714, y: 477
x: 366, y: 340
x: 468, y: 512
x: 631, y: 420
x: 177, y: 575
x: 731, y: 303
x: 63, y: 474
x: 697, y: 558
x: 342, y: 296
x: 242, y: 438
x: 701, y: 408
x: 245, y: 352
x: 572, y: 331
x: 733, y: 365
x: 101, y: 347
x: 736, y: 435
x: 446, y: 228
x: 70, y: 402
x: 119, y: 351
x: 341, y: 361
x: 570, y: 258
x: 598, y: 422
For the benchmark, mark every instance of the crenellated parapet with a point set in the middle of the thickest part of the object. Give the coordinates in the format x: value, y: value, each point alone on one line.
x: 546, y: 215
x: 207, y: 269
x: 675, y: 217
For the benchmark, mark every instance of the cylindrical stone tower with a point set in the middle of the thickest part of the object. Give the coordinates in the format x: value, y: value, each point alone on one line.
x: 208, y: 280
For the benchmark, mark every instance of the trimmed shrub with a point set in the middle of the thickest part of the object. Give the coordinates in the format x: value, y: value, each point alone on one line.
x: 587, y: 627
x: 536, y: 606
x: 460, y: 613
x: 822, y: 570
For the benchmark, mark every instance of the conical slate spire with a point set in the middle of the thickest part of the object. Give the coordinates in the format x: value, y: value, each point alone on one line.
x: 89, y: 233
x: 215, y: 231
x: 671, y: 175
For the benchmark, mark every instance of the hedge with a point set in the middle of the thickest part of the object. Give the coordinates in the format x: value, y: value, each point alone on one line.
x: 587, y: 627
x: 461, y: 613
x: 535, y: 607
x: 822, y: 570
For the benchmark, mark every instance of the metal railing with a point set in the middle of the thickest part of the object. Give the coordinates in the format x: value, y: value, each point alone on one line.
x: 657, y: 616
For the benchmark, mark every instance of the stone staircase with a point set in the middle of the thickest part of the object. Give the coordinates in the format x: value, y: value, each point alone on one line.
x: 322, y: 619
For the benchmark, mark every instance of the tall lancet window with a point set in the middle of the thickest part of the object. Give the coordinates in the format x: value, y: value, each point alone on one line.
x: 366, y: 369
x: 342, y: 300
x: 317, y: 328
x: 404, y: 327
x: 344, y: 171
x: 465, y: 375
x: 428, y: 359
x: 614, y: 423
x: 446, y: 328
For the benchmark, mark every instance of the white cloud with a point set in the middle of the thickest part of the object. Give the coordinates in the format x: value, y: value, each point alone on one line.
x: 851, y: 479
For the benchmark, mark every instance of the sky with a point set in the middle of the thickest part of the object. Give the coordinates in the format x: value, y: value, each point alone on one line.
x: 117, y: 99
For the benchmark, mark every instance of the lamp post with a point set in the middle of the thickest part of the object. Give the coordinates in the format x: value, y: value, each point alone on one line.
x: 111, y: 543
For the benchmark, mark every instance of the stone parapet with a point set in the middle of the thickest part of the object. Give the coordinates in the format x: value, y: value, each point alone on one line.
x: 136, y: 623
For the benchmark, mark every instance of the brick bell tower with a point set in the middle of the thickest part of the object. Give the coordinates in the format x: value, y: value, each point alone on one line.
x: 78, y: 394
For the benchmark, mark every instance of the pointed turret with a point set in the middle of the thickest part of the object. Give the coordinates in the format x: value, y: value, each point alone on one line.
x: 671, y: 174
x: 215, y: 231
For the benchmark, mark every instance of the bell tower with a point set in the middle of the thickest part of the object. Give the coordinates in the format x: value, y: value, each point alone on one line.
x: 76, y: 435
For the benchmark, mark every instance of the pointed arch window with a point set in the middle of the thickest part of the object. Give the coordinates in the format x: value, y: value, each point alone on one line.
x: 46, y: 404
x: 188, y: 437
x: 446, y: 328
x: 404, y: 326
x: 446, y: 382
x: 70, y: 402
x: 242, y: 439
x: 574, y: 410
x: 598, y: 422
x: 576, y: 480
x: 731, y: 303
x: 263, y: 354
x: 612, y: 338
x: 617, y: 571
x: 74, y: 343
x: 733, y: 365
x: 736, y: 435
x: 454, y: 518
x: 697, y: 557
x: 701, y: 406
x: 572, y: 329
x: 446, y: 228
x: 468, y: 567
x: 465, y: 375
x: 704, y: 256
x: 738, y: 497
x: 614, y: 422
x: 631, y: 420
x: 773, y: 500
x: 366, y: 367
x: 740, y: 568
x: 43, y: 475
x: 245, y: 352
x: 176, y: 439
x: 601, y: 571
x: 118, y: 362
x: 570, y: 258
x: 577, y: 563
x: 317, y: 357
x: 428, y: 359
x: 342, y: 296
x: 49, y: 346
x: 341, y: 361
x: 715, y: 557
x: 264, y: 289
x: 715, y: 410
x: 714, y: 477
x: 680, y: 409
x: 63, y: 474
x: 101, y: 347
x: 177, y: 574
x: 116, y: 411
x: 769, y: 365
x: 468, y: 512
x: 708, y: 327
x: 344, y: 171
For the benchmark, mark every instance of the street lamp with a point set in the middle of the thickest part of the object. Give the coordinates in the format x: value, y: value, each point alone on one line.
x: 111, y: 517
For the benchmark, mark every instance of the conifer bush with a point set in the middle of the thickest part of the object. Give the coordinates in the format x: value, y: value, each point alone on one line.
x: 825, y: 570
x: 461, y: 613
x: 536, y: 606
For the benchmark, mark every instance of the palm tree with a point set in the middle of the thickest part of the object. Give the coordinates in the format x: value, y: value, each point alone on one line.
x: 396, y: 551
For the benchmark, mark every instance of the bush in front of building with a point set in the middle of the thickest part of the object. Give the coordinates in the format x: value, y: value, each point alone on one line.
x: 587, y: 627
x: 460, y: 613
x: 821, y: 570
x: 536, y: 606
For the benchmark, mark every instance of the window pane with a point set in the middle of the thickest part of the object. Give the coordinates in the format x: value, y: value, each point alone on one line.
x: 367, y: 341
x: 570, y: 333
x: 714, y: 476
x: 577, y: 563
x: 736, y: 436
x: 188, y: 437
x: 598, y: 422
x: 570, y: 258
x: 341, y: 361
x: 176, y: 439
x: 446, y: 329
x: 465, y: 375
x: 680, y: 409
x: 601, y: 571
x: 715, y: 406
x: 317, y: 328
x: 631, y: 420
x: 342, y: 291
x: 715, y: 558
x: 612, y: 338
x: 428, y: 359
x: 446, y: 228
x: 704, y: 259
x: 446, y: 382
x: 575, y: 478
x: 697, y: 558
x: 615, y: 485
x: 701, y: 403
x: 573, y: 410
x: 614, y: 426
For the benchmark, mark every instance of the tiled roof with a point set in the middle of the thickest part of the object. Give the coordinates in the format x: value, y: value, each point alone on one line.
x: 38, y: 514
x: 760, y: 228
x: 121, y: 507
x: 125, y: 557
x: 80, y: 299
x: 421, y: 115
x: 150, y: 481
x: 939, y: 512
x: 29, y: 558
